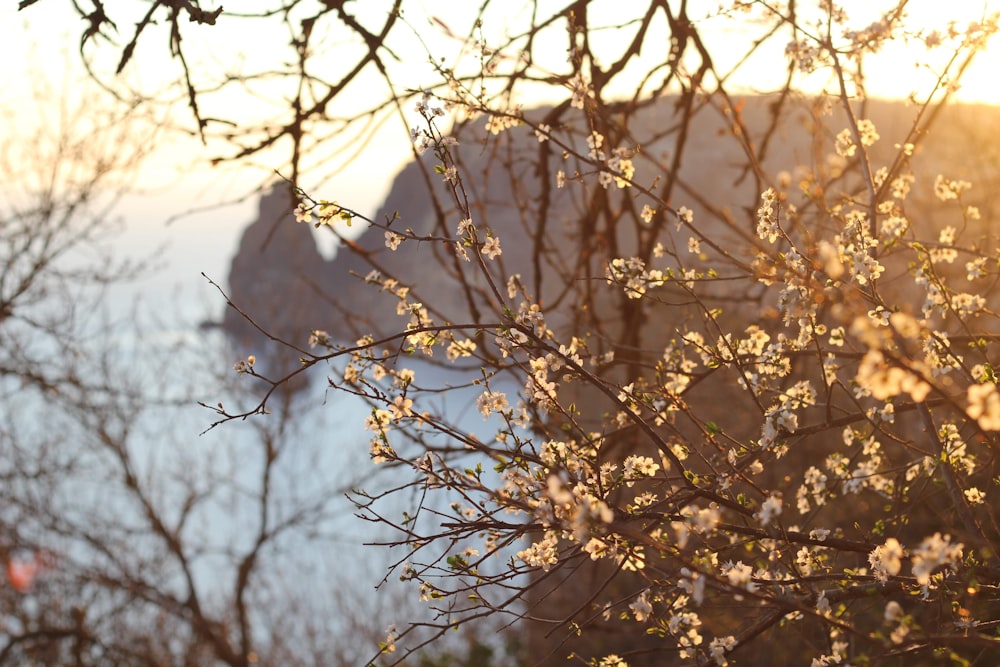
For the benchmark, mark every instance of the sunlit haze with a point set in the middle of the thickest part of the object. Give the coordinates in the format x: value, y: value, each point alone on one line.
x: 182, y: 163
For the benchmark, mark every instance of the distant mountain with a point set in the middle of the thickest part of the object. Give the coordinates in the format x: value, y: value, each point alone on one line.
x: 279, y: 278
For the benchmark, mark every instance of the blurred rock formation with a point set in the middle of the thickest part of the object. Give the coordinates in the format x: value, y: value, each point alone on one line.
x: 559, y: 239
x: 279, y: 278
x: 277, y: 281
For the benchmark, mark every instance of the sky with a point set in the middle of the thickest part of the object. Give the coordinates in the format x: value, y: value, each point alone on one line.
x: 46, y: 34
x: 178, y: 177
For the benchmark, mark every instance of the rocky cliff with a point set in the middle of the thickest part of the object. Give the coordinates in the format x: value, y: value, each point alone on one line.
x: 279, y: 281
x: 279, y: 278
x: 559, y: 240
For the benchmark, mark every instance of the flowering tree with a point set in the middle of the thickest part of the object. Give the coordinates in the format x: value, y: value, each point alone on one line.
x: 741, y: 408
